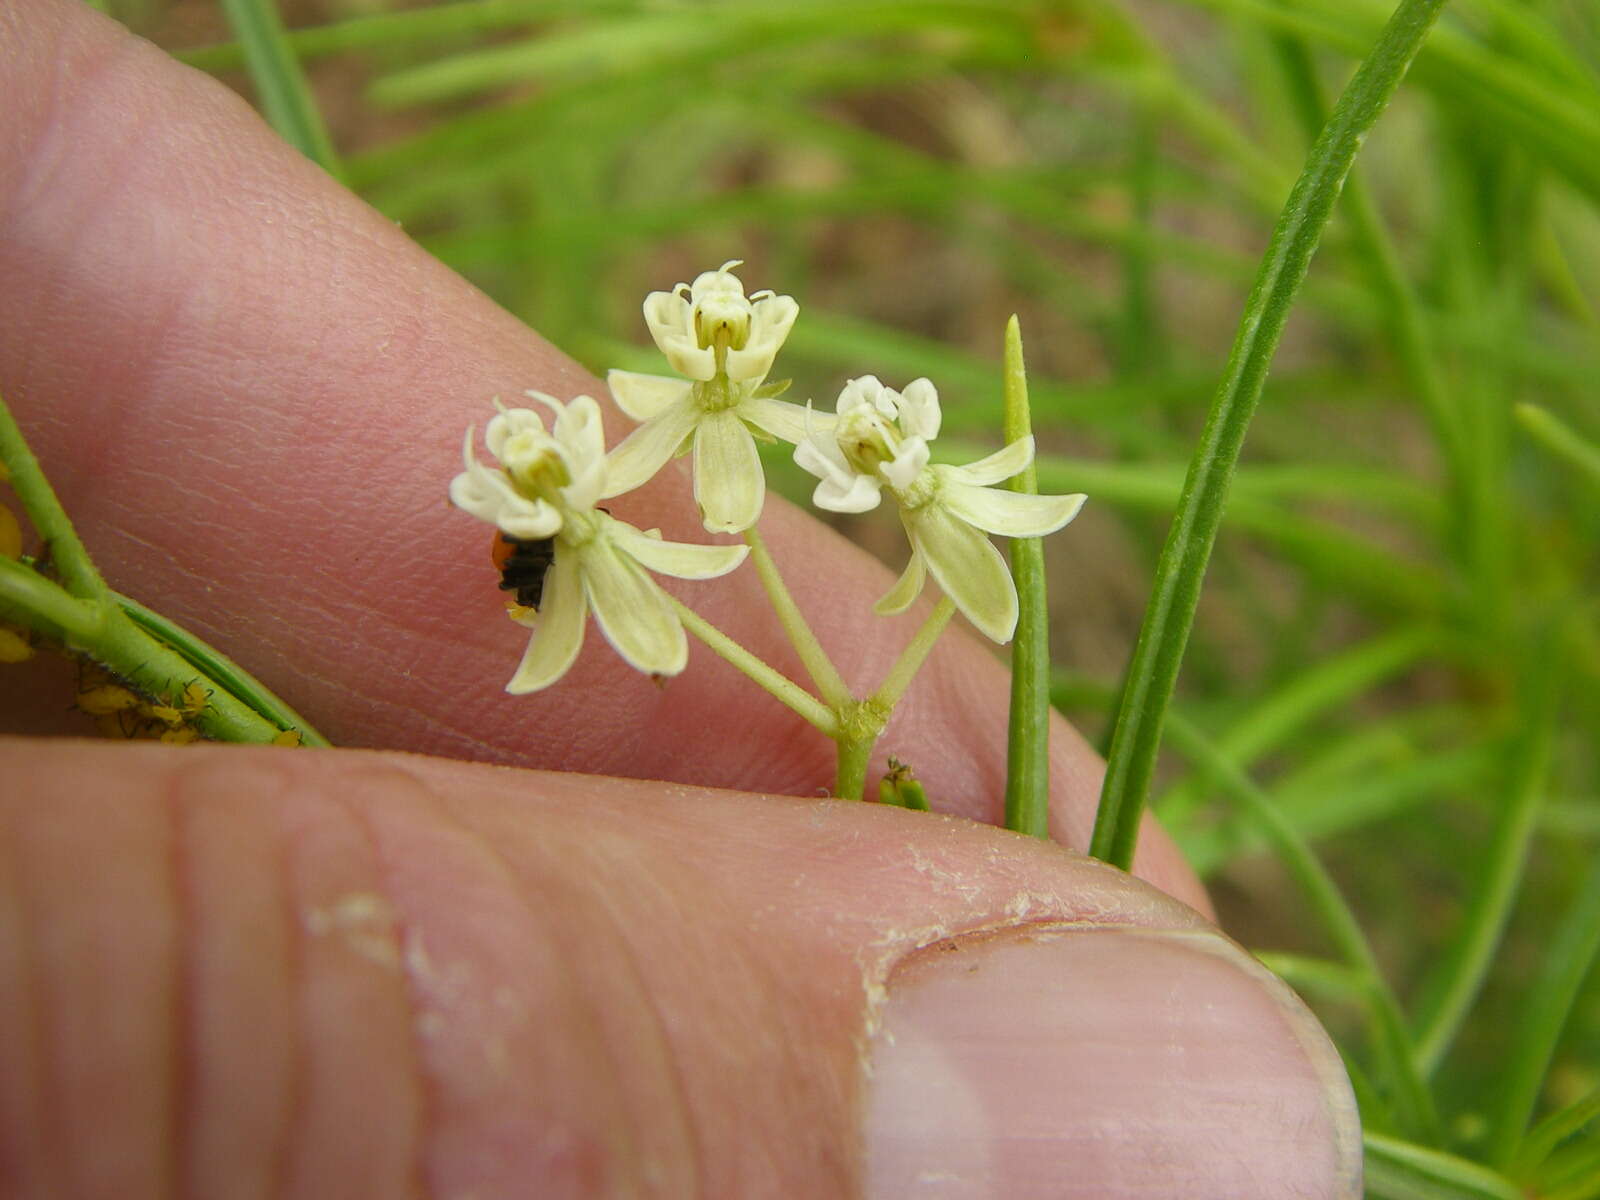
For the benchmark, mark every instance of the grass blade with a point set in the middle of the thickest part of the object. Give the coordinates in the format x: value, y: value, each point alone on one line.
x: 1028, y: 737
x: 1153, y: 672
x: 1560, y: 439
x: 280, y: 85
x: 1550, y: 999
x: 1454, y: 989
x: 1398, y: 1170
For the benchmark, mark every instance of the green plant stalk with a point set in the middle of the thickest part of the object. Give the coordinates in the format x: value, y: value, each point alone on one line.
x: 1560, y: 439
x: 1553, y: 992
x: 861, y: 721
x: 218, y: 668
x: 815, y: 659
x: 1452, y: 992
x: 65, y: 552
x: 1028, y: 731
x: 102, y: 631
x: 1405, y: 325
x: 905, y: 668
x: 1180, y: 573
x: 774, y: 682
x: 285, y: 97
x: 850, y: 778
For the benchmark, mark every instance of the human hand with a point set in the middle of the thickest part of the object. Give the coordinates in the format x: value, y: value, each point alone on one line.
x: 350, y: 972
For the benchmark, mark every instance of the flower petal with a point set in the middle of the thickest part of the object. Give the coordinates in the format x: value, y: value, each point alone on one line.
x: 728, y: 483
x: 1010, y: 514
x: 509, y: 422
x: 580, y: 432
x: 868, y: 389
x: 668, y: 316
x: 968, y: 568
x: 643, y: 452
x: 910, y: 457
x: 644, y: 396
x: 906, y: 589
x: 489, y: 496
x: 557, y: 627
x: 999, y: 466
x: 632, y: 611
x: 685, y: 560
x: 785, y: 420
x: 856, y: 494
x: 919, y: 409
x: 770, y: 322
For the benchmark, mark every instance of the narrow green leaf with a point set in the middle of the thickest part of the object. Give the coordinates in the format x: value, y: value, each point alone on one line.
x: 1551, y: 994
x: 1028, y: 737
x: 1561, y: 440
x: 1412, y: 1103
x: 1398, y: 1170
x: 1158, y: 655
x: 407, y: 27
x: 286, y: 100
x: 1449, y: 995
x: 1557, y: 1127
x: 1330, y: 684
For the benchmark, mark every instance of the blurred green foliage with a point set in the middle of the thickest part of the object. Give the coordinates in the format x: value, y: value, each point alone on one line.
x: 1394, y: 681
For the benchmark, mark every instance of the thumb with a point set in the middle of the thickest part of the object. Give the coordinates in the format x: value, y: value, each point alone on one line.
x: 232, y: 972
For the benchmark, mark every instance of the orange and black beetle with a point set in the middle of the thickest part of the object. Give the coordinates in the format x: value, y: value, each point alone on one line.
x: 522, y: 563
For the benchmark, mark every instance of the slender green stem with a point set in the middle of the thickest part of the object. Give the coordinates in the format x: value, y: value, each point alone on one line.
x: 221, y: 670
x: 850, y: 781
x: 905, y: 667
x: 817, y: 663
x: 1153, y: 672
x: 32, y: 600
x: 1028, y: 731
x: 280, y: 83
x: 66, y: 553
x: 774, y: 682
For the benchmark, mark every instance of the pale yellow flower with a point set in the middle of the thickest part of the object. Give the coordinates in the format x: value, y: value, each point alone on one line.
x: 546, y: 487
x: 880, y: 440
x: 725, y: 343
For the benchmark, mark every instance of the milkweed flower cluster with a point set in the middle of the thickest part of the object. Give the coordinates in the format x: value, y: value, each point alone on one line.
x: 544, y: 494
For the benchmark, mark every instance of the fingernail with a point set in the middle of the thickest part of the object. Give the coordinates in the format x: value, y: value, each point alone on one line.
x: 1103, y: 1062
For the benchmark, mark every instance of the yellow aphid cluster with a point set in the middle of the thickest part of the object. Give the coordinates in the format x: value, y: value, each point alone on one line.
x: 120, y: 712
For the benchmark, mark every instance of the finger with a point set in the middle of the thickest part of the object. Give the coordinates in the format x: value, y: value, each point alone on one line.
x: 248, y: 972
x: 250, y: 390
